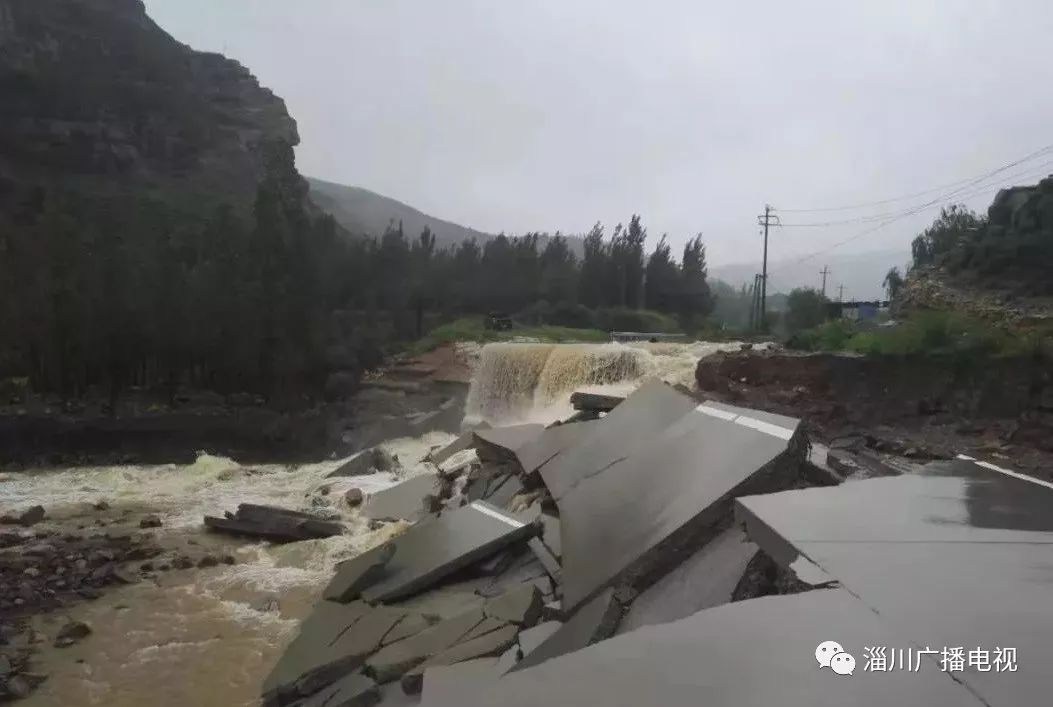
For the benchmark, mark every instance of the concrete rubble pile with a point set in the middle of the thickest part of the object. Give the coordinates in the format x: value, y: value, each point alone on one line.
x: 925, y: 588
x: 529, y: 544
x: 663, y: 550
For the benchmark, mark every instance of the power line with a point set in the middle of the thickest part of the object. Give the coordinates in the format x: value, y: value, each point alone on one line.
x: 881, y: 202
x: 968, y: 190
x: 957, y: 193
x: 887, y: 222
x: 824, y: 272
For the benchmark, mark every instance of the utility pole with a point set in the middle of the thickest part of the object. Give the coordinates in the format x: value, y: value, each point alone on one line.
x: 841, y: 293
x: 754, y: 300
x: 824, y: 272
x: 768, y: 219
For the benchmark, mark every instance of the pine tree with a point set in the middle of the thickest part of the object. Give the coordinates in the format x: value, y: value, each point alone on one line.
x: 594, y: 268
x: 696, y: 300
x: 662, y: 278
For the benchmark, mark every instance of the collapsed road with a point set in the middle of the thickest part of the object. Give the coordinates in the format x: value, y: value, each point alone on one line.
x: 531, y: 543
x: 673, y: 551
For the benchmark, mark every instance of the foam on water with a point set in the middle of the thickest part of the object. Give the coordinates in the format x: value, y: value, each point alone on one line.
x: 198, y: 636
x: 182, y: 494
x: 530, y: 382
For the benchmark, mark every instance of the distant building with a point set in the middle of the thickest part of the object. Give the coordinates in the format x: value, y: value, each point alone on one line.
x: 856, y: 311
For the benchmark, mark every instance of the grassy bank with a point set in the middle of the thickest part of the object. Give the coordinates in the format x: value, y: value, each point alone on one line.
x: 474, y: 329
x: 924, y: 333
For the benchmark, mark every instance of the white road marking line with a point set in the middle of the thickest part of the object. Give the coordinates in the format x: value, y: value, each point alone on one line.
x: 716, y: 412
x: 1007, y: 472
x: 766, y: 427
x: 746, y: 421
x: 494, y: 514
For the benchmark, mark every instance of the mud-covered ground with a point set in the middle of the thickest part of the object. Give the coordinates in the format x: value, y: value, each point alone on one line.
x: 918, y: 410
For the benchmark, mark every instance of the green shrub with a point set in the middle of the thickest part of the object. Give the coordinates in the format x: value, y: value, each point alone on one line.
x: 924, y: 333
x: 474, y: 329
x: 833, y: 335
x: 577, y: 316
x: 563, y: 314
x: 639, y: 320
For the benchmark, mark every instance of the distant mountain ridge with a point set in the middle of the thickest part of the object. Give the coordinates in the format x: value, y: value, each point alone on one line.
x: 366, y: 213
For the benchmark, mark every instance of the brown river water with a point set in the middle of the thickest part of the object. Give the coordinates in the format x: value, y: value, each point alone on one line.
x: 208, y: 637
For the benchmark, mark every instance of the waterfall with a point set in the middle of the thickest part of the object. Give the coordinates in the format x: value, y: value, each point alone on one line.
x: 521, y: 382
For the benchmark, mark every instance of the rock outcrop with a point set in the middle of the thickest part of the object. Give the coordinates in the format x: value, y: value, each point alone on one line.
x: 96, y: 96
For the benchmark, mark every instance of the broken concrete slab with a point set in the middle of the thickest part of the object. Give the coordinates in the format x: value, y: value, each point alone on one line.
x: 333, y: 642
x: 500, y: 443
x: 355, y: 690
x: 409, y: 625
x: 403, y: 501
x: 486, y: 626
x: 448, y: 684
x: 366, y: 462
x: 499, y: 494
x: 458, y: 463
x: 367, y: 569
x: 531, y: 638
x: 463, y: 442
x: 521, y: 606
x: 595, y: 402
x: 391, y: 695
x: 642, y: 515
x: 927, y: 552
x: 508, y: 659
x: 844, y: 464
x: 485, y: 479
x: 645, y: 414
x: 706, y: 579
x: 427, y: 552
x: 392, y: 661
x: 820, y: 472
x: 593, y: 622
x: 547, y: 559
x: 349, y: 649
x: 553, y: 611
x: 526, y: 569
x: 274, y: 524
x: 499, y: 563
x: 758, y: 419
x: 550, y: 533
x: 449, y: 600
x: 262, y: 514
x: 550, y: 443
x: 490, y: 644
x: 701, y: 660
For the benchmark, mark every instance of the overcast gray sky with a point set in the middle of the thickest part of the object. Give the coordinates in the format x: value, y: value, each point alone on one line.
x: 552, y: 114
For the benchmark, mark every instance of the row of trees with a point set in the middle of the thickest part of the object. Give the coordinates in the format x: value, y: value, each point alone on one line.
x: 1010, y: 247
x: 512, y: 274
x: 119, y: 291
x: 106, y: 292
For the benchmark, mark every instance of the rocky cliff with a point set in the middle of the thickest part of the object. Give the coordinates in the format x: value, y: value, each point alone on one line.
x: 95, y: 95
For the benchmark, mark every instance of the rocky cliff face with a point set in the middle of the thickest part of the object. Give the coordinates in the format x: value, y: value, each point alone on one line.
x: 95, y: 94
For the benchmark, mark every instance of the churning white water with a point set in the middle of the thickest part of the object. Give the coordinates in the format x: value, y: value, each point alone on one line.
x: 201, y: 637
x: 528, y: 382
x: 209, y: 636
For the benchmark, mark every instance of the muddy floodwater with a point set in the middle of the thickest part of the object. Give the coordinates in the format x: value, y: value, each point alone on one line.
x: 208, y: 637
x: 194, y: 636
